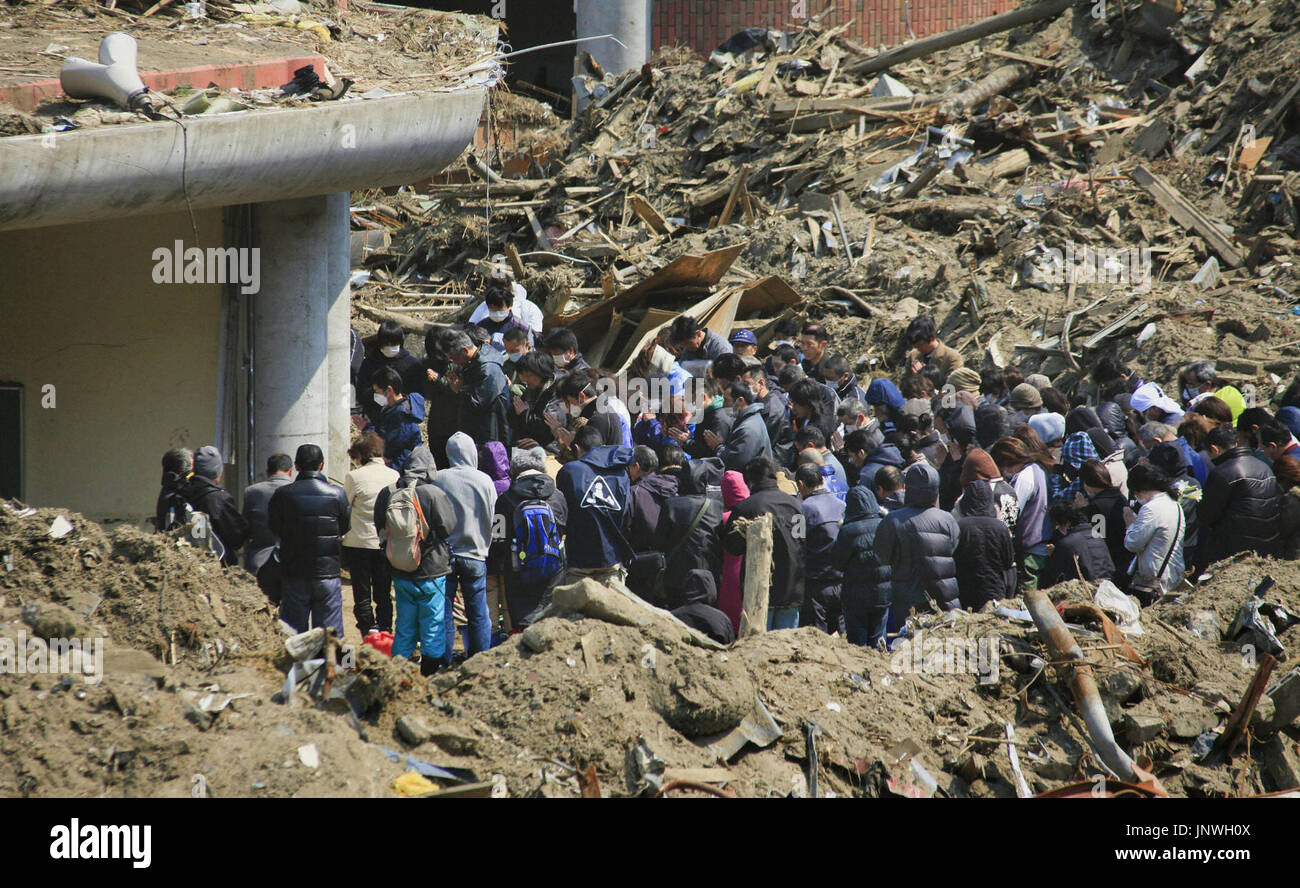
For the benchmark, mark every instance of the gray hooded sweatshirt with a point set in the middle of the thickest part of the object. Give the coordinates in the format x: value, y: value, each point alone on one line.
x: 473, y: 498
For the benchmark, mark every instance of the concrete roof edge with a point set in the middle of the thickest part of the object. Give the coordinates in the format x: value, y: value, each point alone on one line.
x: 249, y: 157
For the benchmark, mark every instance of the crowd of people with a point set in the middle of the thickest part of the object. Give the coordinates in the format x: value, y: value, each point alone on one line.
x: 501, y: 464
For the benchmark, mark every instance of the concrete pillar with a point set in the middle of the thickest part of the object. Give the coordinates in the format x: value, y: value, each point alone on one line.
x: 340, y: 342
x: 628, y: 20
x: 291, y: 324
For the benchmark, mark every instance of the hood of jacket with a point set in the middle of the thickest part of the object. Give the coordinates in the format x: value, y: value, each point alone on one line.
x: 412, y: 405
x: 961, y: 424
x: 698, y: 475
x: 1080, y: 419
x: 698, y: 587
x: 461, y: 451
x: 921, y: 486
x: 534, y: 485
x: 887, y: 455
x: 990, y: 424
x: 977, y: 500
x: 883, y: 391
x: 607, y: 456
x: 1082, y: 451
x: 497, y: 464
x: 734, y: 489
x: 1170, y: 459
x: 660, y: 484
x: 861, y: 504
x: 420, y: 467
x: 755, y: 409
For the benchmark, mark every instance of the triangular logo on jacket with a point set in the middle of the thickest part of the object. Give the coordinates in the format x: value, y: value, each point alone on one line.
x: 600, y: 495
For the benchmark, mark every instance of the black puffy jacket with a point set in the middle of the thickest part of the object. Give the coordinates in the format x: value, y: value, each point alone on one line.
x: 866, y: 578
x: 1093, y: 558
x: 698, y: 549
x: 787, y: 541
x: 1110, y: 504
x: 986, y: 555
x: 1112, y: 420
x: 310, y: 516
x: 919, y: 541
x: 1240, y: 507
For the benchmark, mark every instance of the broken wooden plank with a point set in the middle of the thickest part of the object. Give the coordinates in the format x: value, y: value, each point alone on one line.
x: 542, y: 240
x: 1187, y: 215
x: 653, y: 219
x: 730, y: 206
x: 516, y: 264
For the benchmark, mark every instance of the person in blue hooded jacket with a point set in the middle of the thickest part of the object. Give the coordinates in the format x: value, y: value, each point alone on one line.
x: 870, y: 459
x: 398, y: 422
x: 596, y: 490
x: 919, y: 542
x: 886, y: 401
x: 864, y: 593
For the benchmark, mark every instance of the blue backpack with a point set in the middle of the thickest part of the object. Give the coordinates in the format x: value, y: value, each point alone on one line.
x: 536, y: 552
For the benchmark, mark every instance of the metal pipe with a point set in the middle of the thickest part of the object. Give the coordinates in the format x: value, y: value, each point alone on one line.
x: 1063, y: 647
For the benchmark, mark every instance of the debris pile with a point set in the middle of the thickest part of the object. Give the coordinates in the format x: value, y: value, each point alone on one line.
x: 1070, y: 187
x: 608, y: 695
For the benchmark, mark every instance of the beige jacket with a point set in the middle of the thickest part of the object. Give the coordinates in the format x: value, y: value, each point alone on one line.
x: 362, y: 486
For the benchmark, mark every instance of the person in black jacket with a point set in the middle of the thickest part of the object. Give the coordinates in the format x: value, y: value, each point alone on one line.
x: 172, y: 508
x: 689, y: 524
x: 692, y: 602
x: 814, y: 404
x: 919, y: 541
x: 203, y: 491
x: 823, y: 513
x: 865, y: 591
x: 529, y: 482
x: 1078, y: 552
x: 776, y: 414
x: 536, y: 371
x: 986, y: 555
x: 787, y: 591
x: 481, y: 383
x: 1240, y: 506
x: 1104, y: 510
x: 421, y: 593
x: 310, y: 516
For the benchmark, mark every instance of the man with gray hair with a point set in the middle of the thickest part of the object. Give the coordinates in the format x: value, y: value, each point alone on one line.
x: 1200, y: 380
x: 520, y: 526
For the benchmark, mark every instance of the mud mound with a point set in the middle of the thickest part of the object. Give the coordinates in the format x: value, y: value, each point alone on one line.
x: 146, y: 591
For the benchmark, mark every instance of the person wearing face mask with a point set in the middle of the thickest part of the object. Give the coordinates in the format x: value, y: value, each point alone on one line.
x: 387, y: 352
x: 521, y: 307
x: 1154, y: 535
x: 587, y: 407
x: 399, y: 417
x: 500, y: 320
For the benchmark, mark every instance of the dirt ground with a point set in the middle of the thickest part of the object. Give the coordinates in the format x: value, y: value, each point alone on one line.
x: 639, y: 702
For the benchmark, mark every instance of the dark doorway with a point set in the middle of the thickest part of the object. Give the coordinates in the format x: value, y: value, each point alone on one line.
x: 11, y: 441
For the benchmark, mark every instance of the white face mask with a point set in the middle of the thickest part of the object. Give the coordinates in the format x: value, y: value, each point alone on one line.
x: 381, y: 399
x: 498, y: 315
x: 575, y: 410
x: 514, y: 356
x: 390, y: 351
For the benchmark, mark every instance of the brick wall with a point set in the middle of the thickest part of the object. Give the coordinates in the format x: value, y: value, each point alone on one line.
x: 703, y: 24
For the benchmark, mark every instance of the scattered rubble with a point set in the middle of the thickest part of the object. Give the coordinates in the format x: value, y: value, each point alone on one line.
x: 962, y: 184
x: 631, y: 698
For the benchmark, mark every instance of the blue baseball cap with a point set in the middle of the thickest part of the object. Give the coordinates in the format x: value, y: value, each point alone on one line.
x: 746, y: 336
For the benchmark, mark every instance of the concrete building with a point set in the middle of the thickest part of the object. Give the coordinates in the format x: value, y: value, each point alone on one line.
x: 107, y: 359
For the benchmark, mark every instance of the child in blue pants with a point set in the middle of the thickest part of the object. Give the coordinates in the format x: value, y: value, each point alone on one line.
x: 420, y: 607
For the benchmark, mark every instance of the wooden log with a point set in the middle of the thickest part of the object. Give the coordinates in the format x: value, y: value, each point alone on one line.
x: 758, y: 576
x: 995, y: 83
x: 516, y: 264
x: 730, y: 205
x: 994, y: 25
